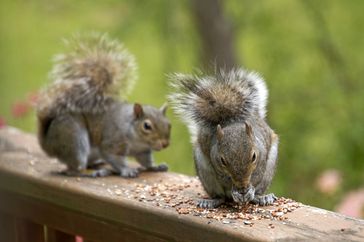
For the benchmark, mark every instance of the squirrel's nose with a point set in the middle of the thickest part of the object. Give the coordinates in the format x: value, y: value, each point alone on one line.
x: 165, y: 143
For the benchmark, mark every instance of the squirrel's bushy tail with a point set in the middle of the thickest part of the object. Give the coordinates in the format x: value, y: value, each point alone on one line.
x: 86, y: 79
x: 219, y: 98
x: 93, y: 71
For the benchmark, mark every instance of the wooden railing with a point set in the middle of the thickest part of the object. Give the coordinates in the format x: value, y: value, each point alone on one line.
x: 37, y: 204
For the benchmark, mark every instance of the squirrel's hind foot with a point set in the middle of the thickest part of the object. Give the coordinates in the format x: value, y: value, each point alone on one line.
x: 128, y: 172
x: 264, y: 200
x: 155, y: 168
x: 210, y: 203
x: 160, y: 167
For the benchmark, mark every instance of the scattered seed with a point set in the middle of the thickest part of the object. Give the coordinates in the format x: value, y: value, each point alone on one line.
x: 109, y: 190
x: 118, y: 192
x: 166, y: 194
x: 183, y: 211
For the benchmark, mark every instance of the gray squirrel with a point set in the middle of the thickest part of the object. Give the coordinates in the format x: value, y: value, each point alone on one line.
x: 235, y: 151
x: 81, y: 120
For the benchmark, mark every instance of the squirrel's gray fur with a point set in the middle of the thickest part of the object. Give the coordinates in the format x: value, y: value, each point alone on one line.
x: 235, y: 151
x: 81, y: 119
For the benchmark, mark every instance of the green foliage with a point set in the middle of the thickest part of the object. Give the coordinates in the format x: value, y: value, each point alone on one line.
x: 310, y: 53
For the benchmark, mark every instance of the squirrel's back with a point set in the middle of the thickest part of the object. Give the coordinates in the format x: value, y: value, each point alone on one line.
x: 223, y: 97
x: 86, y: 78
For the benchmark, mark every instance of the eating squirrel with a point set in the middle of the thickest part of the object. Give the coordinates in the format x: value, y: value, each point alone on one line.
x: 81, y: 120
x: 235, y: 151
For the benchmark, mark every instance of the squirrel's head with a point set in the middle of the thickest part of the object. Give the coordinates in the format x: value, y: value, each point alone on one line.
x: 235, y: 153
x: 152, y: 125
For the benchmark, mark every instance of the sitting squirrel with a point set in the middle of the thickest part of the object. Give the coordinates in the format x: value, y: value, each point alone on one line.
x: 81, y: 119
x: 235, y: 151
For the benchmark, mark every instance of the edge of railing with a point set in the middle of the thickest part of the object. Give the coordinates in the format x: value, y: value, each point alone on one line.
x: 30, y: 187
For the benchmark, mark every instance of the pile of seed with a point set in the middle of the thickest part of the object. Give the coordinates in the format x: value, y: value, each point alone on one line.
x: 183, y: 196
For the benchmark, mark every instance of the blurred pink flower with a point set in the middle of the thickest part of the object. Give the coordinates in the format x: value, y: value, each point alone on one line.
x: 352, y: 204
x: 20, y: 109
x: 329, y: 181
x: 2, y: 122
x: 79, y: 239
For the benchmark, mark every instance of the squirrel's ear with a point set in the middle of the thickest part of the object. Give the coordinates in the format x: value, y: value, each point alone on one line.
x: 163, y: 109
x: 248, y: 129
x: 219, y: 132
x: 138, y: 110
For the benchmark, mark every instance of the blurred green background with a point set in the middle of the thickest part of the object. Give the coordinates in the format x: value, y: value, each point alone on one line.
x: 310, y: 53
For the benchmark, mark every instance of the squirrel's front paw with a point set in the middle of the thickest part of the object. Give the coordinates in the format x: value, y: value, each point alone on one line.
x: 265, y: 200
x: 161, y: 167
x: 243, y: 195
x: 129, y: 172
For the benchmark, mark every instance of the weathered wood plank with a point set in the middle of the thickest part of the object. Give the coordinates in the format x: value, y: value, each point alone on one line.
x: 117, y: 207
x: 7, y: 227
x: 59, y: 218
x: 54, y: 235
x: 27, y: 230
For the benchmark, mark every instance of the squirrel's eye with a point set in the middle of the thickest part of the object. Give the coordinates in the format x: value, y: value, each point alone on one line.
x: 254, y: 157
x: 147, y: 126
x: 223, y: 161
